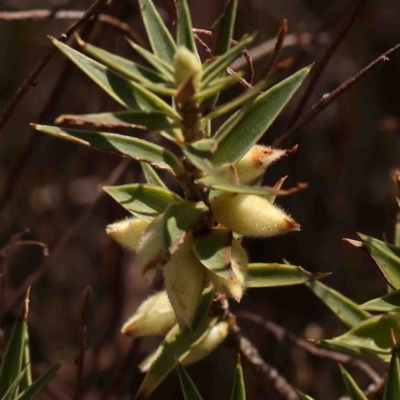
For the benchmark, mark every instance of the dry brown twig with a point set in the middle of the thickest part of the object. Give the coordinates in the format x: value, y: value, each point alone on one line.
x: 328, y: 98
x: 92, y: 11
x: 280, y: 38
x: 283, y: 335
x: 7, y: 252
x: 320, y: 66
x: 67, y: 236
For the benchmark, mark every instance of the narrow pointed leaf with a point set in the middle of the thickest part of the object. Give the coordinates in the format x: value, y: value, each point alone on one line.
x: 157, y: 63
x: 256, y: 120
x: 349, y: 312
x: 387, y: 303
x: 178, y: 219
x: 354, y: 392
x: 238, y: 391
x: 223, y: 181
x: 26, y: 361
x: 386, y: 256
x: 218, y: 86
x: 198, y: 153
x: 151, y: 176
x: 247, y: 96
x: 272, y: 275
x: 135, y: 148
x: 12, y: 389
x: 176, y: 346
x: 160, y: 39
x: 225, y: 31
x: 189, y: 389
x: 142, y: 200
x: 122, y: 65
x: 304, y: 396
x: 37, y: 387
x: 219, y: 65
x: 392, y: 385
x: 372, y: 338
x: 12, y: 361
x: 126, y: 92
x: 153, y: 120
x: 184, y: 34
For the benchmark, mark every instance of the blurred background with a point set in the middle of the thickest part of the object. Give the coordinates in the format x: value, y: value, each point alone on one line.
x: 348, y: 155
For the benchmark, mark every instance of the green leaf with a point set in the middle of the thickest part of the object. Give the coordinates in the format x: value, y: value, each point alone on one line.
x: 12, y: 389
x: 372, y: 338
x: 126, y: 92
x: 304, y: 396
x: 37, y: 387
x: 184, y: 34
x: 198, y: 153
x: 189, y: 389
x: 151, y: 176
x: 387, y: 303
x: 174, y: 348
x: 272, y: 275
x: 226, y: 28
x: 160, y: 39
x: 135, y: 148
x: 146, y: 201
x: 354, y: 392
x: 386, y: 256
x: 392, y: 385
x: 213, y: 69
x: 153, y: 120
x: 178, y: 219
x: 347, y: 311
x: 247, y: 96
x: 224, y: 33
x: 222, y: 182
x: 238, y: 391
x: 122, y: 65
x: 157, y: 63
x: 12, y: 367
x: 26, y: 361
x: 217, y: 86
x: 252, y: 124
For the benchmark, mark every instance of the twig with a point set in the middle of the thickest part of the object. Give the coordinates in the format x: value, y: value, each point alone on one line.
x: 80, y: 359
x: 39, y: 15
x: 280, y: 37
x: 328, y: 98
x: 266, y: 372
x: 51, y: 102
x: 320, y: 67
x: 245, y: 53
x: 283, y: 335
x: 68, y: 235
x: 229, y: 70
x: 93, y: 10
x: 7, y: 252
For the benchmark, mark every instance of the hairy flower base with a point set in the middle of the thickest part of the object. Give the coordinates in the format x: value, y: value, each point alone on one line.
x: 256, y: 161
x: 251, y: 215
x: 128, y: 232
x: 155, y: 316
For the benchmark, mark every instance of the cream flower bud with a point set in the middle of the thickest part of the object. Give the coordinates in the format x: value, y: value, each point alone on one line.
x: 151, y: 250
x: 155, y: 316
x: 185, y: 278
x: 128, y: 232
x: 216, y: 335
x: 251, y: 215
x: 256, y: 160
x: 187, y: 65
x: 211, y: 340
x: 233, y: 287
